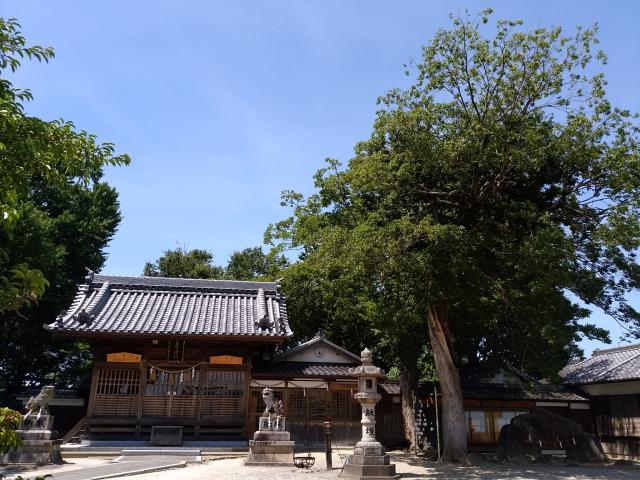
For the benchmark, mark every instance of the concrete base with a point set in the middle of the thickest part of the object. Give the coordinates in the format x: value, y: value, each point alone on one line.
x: 271, y: 448
x: 38, y: 446
x: 39, y: 454
x: 270, y: 452
x: 369, y: 462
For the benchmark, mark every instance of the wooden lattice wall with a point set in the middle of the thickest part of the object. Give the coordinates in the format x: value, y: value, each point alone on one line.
x: 207, y: 399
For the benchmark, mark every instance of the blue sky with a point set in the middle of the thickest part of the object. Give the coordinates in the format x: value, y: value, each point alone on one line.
x: 223, y: 104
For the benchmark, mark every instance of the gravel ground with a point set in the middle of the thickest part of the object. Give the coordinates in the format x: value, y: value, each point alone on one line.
x: 405, y: 465
x: 409, y: 467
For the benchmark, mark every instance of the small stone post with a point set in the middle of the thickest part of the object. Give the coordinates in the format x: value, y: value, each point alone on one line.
x: 369, y: 459
x: 327, y: 445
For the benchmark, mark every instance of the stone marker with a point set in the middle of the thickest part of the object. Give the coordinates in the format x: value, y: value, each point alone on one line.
x: 369, y: 459
x: 271, y: 444
x: 39, y: 445
x: 540, y: 426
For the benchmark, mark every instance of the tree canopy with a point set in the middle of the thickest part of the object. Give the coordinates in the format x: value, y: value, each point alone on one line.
x: 31, y: 149
x: 183, y: 263
x: 61, y: 231
x: 56, y: 218
x: 247, y: 264
x: 498, y: 184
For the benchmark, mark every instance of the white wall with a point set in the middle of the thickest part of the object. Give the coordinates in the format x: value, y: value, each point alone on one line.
x: 618, y: 388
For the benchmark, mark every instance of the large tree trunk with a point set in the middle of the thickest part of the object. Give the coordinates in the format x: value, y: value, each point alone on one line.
x: 408, y: 385
x: 453, y: 421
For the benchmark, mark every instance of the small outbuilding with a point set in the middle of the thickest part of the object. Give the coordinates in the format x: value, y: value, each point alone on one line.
x: 611, y: 378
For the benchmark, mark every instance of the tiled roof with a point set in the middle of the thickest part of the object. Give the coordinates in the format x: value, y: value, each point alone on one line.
x: 392, y: 388
x: 549, y: 393
x: 610, y: 365
x: 125, y: 306
x: 60, y: 393
x: 303, y: 369
x: 490, y: 391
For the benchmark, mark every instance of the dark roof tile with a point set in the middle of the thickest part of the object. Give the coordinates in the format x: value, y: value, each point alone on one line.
x: 115, y: 305
x: 303, y: 369
x: 610, y: 365
x: 492, y: 391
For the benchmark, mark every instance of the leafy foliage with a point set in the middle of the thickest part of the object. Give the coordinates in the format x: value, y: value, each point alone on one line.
x: 62, y: 230
x: 39, y: 477
x: 501, y: 180
x: 22, y: 288
x: 32, y: 148
x: 248, y: 264
x: 182, y: 263
x: 254, y: 264
x: 9, y: 422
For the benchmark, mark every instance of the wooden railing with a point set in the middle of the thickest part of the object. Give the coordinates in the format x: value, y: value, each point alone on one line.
x: 75, y: 430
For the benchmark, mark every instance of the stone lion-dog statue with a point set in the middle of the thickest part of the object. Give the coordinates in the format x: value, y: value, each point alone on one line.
x: 39, y: 405
x: 273, y: 407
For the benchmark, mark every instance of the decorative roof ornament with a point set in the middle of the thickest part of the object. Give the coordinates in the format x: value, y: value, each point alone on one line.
x: 261, y: 305
x: 83, y: 317
x: 89, y: 277
x: 60, y: 317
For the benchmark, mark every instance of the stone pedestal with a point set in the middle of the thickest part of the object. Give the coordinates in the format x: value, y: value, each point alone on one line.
x: 38, y: 443
x: 271, y: 444
x: 369, y: 462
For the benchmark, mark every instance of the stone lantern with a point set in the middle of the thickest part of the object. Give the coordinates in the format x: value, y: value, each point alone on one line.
x: 369, y: 459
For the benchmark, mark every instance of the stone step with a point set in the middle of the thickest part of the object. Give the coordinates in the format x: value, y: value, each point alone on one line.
x: 173, y: 452
x: 384, y: 471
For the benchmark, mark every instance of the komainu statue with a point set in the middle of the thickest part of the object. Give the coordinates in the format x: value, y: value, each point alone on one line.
x: 39, y: 405
x: 272, y: 406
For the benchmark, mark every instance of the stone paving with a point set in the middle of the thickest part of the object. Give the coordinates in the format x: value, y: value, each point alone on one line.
x: 117, y: 468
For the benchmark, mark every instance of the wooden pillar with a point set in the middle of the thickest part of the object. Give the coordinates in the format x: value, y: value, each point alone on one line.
x: 142, y: 387
x: 247, y: 394
x: 201, y: 375
x: 92, y: 397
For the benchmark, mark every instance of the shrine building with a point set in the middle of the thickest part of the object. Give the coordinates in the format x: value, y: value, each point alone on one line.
x: 196, y: 353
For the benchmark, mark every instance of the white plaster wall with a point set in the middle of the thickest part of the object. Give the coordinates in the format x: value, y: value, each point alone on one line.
x: 618, y: 388
x: 330, y: 355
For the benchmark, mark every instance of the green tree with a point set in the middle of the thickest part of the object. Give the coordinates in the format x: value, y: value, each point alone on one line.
x: 254, y: 264
x: 9, y: 422
x: 61, y: 230
x: 183, y: 263
x: 499, y: 182
x: 342, y: 300
x: 50, y: 152
x: 56, y: 217
x: 247, y: 264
